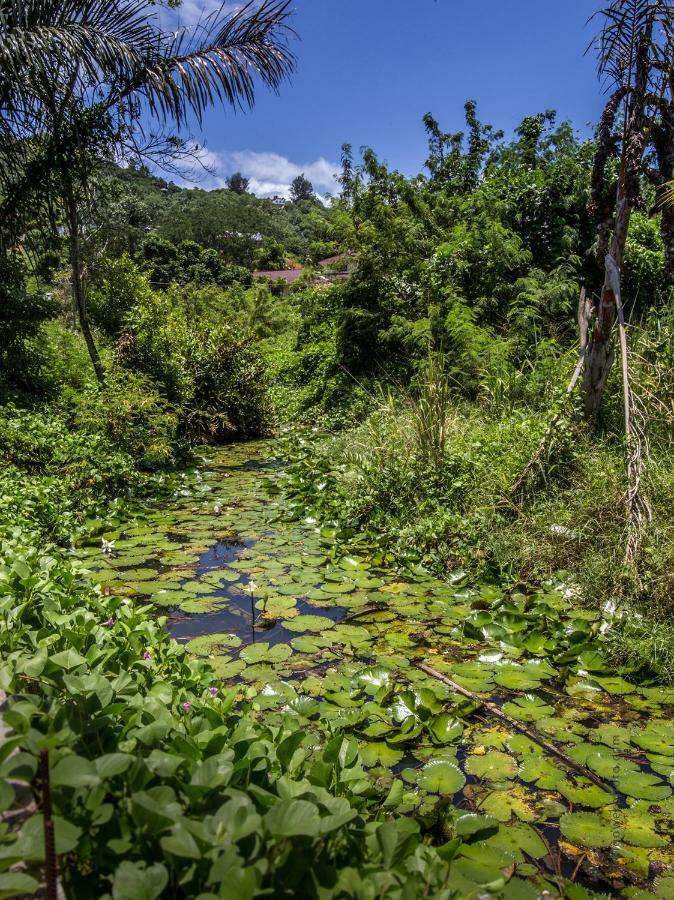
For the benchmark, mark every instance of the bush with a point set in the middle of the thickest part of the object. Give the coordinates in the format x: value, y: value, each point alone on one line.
x: 216, y: 382
x: 119, y: 286
x: 22, y: 312
x: 54, y: 475
x: 133, y: 415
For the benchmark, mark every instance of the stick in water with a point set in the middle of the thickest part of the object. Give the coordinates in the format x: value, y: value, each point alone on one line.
x: 498, y: 712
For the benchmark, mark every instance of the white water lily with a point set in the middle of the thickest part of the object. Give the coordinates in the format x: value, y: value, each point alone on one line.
x: 107, y: 546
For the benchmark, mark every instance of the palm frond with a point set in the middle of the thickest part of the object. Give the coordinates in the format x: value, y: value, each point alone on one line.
x: 185, y: 75
x: 73, y: 42
x: 665, y: 195
x: 629, y: 27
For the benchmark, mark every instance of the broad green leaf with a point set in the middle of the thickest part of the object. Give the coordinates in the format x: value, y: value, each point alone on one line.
x: 588, y: 830
x: 290, y: 818
x: 441, y: 777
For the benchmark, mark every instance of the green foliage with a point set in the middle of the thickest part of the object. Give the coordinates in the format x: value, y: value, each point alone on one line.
x: 133, y: 415
x: 119, y: 286
x: 22, y: 311
x: 272, y: 256
x: 216, y: 381
x: 151, y: 763
x: 53, y: 476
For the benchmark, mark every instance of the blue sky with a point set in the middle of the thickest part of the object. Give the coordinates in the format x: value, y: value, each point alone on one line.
x: 368, y: 70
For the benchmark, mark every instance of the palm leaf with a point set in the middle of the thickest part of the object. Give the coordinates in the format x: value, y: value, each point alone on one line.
x: 219, y: 63
x: 629, y: 25
x: 665, y: 196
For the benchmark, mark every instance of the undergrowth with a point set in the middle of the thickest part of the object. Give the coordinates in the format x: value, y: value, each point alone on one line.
x: 433, y: 474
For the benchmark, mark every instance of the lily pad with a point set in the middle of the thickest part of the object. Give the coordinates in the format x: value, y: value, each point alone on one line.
x: 263, y: 653
x: 379, y: 753
x: 588, y: 830
x: 441, y: 777
x: 493, y: 766
x: 643, y: 786
x: 209, y: 644
x: 308, y: 623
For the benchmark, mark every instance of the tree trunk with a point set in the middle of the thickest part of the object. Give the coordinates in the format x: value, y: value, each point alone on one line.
x: 77, y: 285
x: 667, y: 232
x: 600, y: 352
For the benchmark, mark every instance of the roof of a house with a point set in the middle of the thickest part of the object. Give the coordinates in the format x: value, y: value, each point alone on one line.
x: 288, y: 275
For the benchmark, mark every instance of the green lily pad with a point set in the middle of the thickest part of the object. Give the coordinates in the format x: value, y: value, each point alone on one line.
x: 445, y: 729
x: 263, y: 653
x: 380, y: 754
x: 643, y: 786
x: 529, y: 708
x: 656, y: 737
x: 504, y: 804
x: 588, y: 830
x: 516, y: 678
x: 308, y: 623
x: 493, y: 766
x: 441, y: 777
x: 475, y: 826
x: 210, y: 644
x: 607, y: 765
x: 538, y: 769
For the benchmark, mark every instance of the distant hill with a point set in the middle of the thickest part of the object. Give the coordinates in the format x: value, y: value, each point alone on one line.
x: 222, y: 219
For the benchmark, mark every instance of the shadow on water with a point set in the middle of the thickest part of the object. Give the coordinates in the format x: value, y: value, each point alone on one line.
x: 238, y: 614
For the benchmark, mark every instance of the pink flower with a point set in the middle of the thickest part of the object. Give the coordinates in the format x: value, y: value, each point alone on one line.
x: 147, y: 655
x: 213, y: 691
x: 110, y: 622
x: 187, y: 707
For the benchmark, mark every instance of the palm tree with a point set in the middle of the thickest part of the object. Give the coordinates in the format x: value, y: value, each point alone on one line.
x: 635, y: 49
x: 78, y: 76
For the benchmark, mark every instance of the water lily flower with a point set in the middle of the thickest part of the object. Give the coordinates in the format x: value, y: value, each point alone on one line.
x: 107, y: 546
x: 187, y: 706
x: 213, y: 691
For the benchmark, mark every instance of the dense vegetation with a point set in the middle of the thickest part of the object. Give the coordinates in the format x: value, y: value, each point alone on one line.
x: 449, y: 482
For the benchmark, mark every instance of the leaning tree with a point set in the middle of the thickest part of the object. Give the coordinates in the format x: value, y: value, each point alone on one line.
x: 635, y: 138
x: 635, y: 50
x: 80, y: 80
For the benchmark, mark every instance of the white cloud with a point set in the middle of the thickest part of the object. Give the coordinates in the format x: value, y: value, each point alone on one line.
x: 195, y: 12
x: 270, y: 174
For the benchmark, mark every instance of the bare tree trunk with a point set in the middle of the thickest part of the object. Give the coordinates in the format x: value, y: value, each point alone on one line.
x: 667, y: 232
x: 600, y: 354
x: 77, y: 285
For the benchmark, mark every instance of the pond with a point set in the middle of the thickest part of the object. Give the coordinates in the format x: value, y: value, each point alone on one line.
x: 301, y: 623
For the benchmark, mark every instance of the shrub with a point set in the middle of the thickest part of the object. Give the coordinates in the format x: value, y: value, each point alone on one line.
x: 133, y: 415
x: 21, y: 314
x: 119, y: 286
x: 216, y: 382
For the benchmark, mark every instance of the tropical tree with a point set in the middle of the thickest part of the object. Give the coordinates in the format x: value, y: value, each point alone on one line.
x: 238, y: 183
x: 81, y: 79
x: 301, y: 189
x: 635, y: 49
